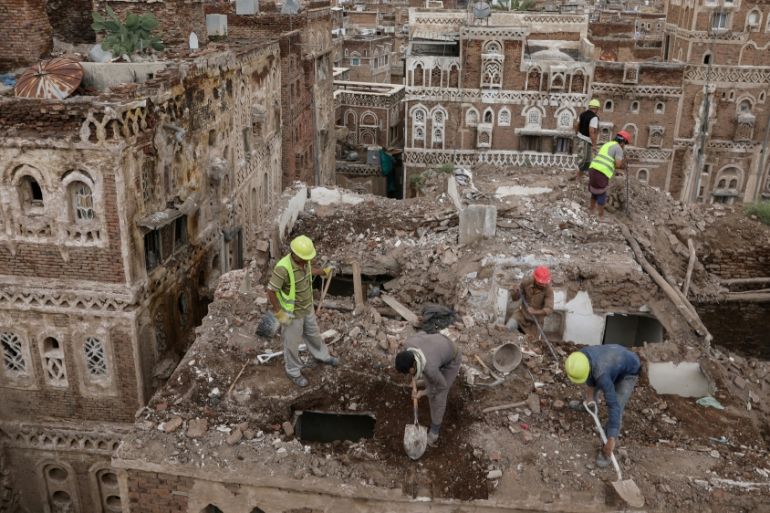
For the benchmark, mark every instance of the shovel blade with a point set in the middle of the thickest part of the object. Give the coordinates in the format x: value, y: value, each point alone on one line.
x: 415, y: 440
x: 629, y: 492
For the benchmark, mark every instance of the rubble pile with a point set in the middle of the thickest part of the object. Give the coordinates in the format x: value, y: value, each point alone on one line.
x: 222, y: 409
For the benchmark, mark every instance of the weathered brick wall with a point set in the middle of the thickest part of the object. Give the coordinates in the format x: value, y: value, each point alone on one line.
x: 27, y: 468
x: 177, y: 17
x: 26, y: 34
x: 73, y: 401
x: 75, y: 26
x: 737, y: 253
x: 152, y: 492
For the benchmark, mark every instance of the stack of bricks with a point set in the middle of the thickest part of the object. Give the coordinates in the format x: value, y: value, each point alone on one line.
x: 27, y: 34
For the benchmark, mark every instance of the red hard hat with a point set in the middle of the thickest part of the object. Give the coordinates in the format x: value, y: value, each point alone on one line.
x: 542, y: 275
x: 625, y: 135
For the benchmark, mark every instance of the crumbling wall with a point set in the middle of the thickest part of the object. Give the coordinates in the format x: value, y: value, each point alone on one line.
x: 75, y: 26
x: 27, y: 34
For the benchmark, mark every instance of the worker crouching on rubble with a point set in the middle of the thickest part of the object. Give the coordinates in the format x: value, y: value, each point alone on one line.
x: 435, y: 359
x: 613, y: 370
x: 290, y: 292
x: 536, y: 294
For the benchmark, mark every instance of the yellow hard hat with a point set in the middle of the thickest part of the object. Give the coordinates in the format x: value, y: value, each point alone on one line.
x: 594, y: 103
x: 303, y: 247
x: 577, y: 367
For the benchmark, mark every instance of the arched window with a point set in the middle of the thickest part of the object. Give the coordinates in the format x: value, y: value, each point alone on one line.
x: 634, y: 107
x: 53, y: 363
x: 418, y: 76
x: 707, y: 58
x: 492, y: 75
x: 564, y: 120
x: 504, y: 117
x: 660, y: 108
x: 368, y: 119
x: 435, y: 77
x: 493, y: 47
x: 753, y: 20
x: 631, y: 129
x: 722, y: 184
x: 642, y: 175
x: 81, y: 202
x: 744, y: 106
x: 419, y: 121
x: 438, y: 136
x: 733, y: 183
x: 355, y: 59
x: 109, y: 491
x: 608, y: 106
x: 96, y: 359
x: 31, y: 195
x: 350, y: 119
x: 489, y: 116
x: 471, y: 117
x: 534, y: 118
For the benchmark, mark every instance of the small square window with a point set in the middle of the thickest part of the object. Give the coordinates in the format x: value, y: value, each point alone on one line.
x: 634, y: 107
x: 660, y: 108
x: 609, y: 106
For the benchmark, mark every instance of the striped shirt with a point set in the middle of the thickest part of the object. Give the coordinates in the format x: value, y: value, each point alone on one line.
x: 303, y: 282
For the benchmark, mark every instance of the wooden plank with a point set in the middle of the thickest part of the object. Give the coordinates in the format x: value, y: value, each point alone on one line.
x: 690, y: 265
x: 358, y: 289
x: 399, y: 308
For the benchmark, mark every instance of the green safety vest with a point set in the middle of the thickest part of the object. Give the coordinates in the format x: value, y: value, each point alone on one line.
x: 603, y: 162
x: 288, y: 301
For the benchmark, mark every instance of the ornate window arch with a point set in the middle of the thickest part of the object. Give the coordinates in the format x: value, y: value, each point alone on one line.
x: 54, y: 368
x: 16, y: 364
x: 471, y: 116
x: 369, y: 118
x: 436, y: 76
x: 438, y: 116
x: 350, y: 118
x: 565, y: 119
x: 534, y: 76
x: 493, y: 47
x: 504, y: 117
x: 419, y: 115
x: 744, y: 105
x: 418, y: 74
x: 489, y: 115
x: 753, y: 20
x: 492, y: 74
x: 730, y: 177
x: 533, y: 117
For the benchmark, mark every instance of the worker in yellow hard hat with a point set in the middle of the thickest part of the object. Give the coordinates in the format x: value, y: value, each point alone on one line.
x: 290, y: 292
x: 586, y: 131
x: 613, y: 370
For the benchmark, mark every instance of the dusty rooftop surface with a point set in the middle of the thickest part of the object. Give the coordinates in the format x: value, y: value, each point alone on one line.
x: 221, y: 413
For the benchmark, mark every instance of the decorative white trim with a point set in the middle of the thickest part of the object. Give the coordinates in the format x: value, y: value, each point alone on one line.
x: 640, y: 91
x: 102, y: 440
x: 416, y: 157
x: 728, y: 74
x: 437, y: 94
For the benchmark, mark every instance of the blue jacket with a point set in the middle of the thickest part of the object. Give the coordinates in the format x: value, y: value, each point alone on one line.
x: 610, y: 363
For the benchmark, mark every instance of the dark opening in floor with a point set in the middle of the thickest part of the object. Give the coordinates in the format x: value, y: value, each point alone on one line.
x: 631, y: 330
x: 342, y: 284
x: 316, y: 426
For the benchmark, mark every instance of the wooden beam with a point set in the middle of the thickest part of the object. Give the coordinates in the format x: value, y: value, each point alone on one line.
x: 744, y: 281
x: 674, y: 294
x: 690, y: 265
x: 358, y: 288
x: 400, y: 309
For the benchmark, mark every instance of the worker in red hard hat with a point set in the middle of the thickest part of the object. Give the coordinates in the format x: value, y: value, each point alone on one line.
x: 536, y: 294
x: 602, y: 168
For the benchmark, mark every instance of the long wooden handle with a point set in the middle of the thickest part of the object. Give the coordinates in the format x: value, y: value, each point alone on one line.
x: 323, y: 293
x: 414, y: 399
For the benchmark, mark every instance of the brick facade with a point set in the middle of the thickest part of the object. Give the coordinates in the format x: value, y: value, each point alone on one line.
x: 75, y: 27
x: 27, y: 33
x: 177, y: 17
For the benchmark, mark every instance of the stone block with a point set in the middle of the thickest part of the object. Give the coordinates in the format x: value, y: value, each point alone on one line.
x: 246, y: 7
x: 216, y: 24
x: 101, y: 76
x: 477, y: 222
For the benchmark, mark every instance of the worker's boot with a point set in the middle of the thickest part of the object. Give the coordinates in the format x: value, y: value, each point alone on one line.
x: 300, y: 381
x: 432, y: 439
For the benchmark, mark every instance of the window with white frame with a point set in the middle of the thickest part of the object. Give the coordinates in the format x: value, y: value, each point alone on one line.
x: 534, y: 118
x: 95, y: 357
x: 744, y: 107
x: 504, y: 117
x: 438, y: 136
x: 634, y: 108
x: 643, y: 175
x: 53, y: 363
x: 471, y: 117
x: 355, y: 59
x: 660, y: 108
x: 489, y: 116
x: 564, y: 120
x: 753, y: 20
x: 719, y: 21
x: 438, y: 118
x: 14, y: 358
x: 492, y: 75
x: 609, y: 106
x: 419, y: 117
x: 82, y: 202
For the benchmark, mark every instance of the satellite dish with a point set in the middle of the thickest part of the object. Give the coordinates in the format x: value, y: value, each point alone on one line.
x: 481, y: 10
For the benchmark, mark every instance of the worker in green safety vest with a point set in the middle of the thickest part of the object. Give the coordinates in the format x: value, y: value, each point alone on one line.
x: 602, y: 168
x: 290, y: 292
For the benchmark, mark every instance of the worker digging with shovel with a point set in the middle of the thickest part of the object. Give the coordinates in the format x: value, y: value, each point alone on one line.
x: 613, y: 370
x: 536, y: 295
x: 435, y: 359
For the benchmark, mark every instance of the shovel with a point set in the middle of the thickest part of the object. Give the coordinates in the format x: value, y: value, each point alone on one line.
x: 625, y: 488
x: 415, y: 435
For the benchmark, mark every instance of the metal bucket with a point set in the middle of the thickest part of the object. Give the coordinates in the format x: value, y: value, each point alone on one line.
x: 506, y: 357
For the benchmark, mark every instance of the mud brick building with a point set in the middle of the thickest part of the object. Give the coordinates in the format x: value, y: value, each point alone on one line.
x: 119, y: 212
x: 368, y: 56
x: 306, y: 82
x: 690, y: 88
x: 27, y: 34
x: 372, y: 112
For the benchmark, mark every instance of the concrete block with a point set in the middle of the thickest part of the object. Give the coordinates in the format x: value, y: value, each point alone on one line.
x: 246, y: 7
x: 103, y: 75
x: 477, y: 222
x: 216, y: 24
